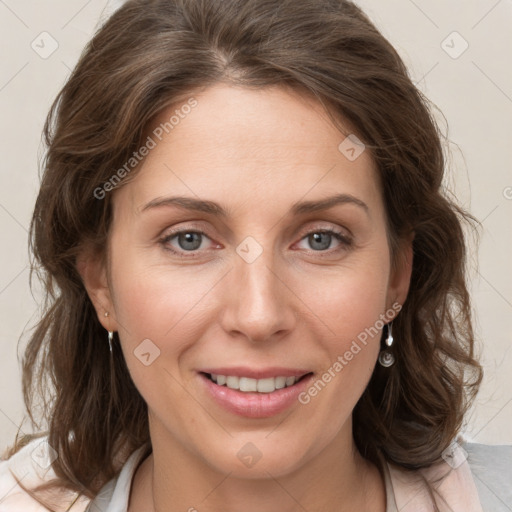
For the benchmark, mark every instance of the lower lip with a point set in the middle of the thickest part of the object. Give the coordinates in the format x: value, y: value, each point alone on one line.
x: 255, y: 405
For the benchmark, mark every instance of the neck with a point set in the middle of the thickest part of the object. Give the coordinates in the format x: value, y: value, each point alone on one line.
x: 337, y: 479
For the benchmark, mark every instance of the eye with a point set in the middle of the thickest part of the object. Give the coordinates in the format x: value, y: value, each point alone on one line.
x: 321, y: 239
x: 186, y: 241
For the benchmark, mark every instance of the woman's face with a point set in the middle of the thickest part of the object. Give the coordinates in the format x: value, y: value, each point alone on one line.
x: 274, y: 286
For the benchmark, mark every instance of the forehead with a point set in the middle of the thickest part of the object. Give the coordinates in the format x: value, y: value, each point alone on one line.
x: 272, y: 144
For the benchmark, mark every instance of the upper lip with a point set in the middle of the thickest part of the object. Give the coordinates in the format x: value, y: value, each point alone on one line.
x: 261, y: 373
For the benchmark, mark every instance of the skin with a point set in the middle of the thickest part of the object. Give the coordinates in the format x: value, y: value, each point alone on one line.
x: 299, y: 304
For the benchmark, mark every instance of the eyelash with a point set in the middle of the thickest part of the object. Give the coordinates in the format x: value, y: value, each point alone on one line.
x: 345, y: 241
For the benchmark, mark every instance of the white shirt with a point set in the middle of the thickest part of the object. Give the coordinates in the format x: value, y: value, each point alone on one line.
x: 480, y: 483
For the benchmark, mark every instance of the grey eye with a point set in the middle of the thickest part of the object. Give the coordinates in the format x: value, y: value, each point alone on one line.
x: 189, y: 240
x: 320, y: 240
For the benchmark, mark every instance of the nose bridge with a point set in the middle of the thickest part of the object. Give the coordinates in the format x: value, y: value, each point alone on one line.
x: 260, y: 304
x: 258, y: 277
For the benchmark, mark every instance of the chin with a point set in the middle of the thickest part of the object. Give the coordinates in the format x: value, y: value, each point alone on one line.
x: 255, y: 457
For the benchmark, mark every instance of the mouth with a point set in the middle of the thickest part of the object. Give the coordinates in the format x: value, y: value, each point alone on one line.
x: 251, y: 385
x: 250, y: 397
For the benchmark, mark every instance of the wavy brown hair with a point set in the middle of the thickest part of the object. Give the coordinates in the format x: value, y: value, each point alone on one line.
x: 154, y: 53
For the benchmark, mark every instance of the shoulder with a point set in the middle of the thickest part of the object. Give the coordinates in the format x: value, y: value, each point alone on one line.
x: 471, y: 477
x: 491, y: 467
x: 30, y: 467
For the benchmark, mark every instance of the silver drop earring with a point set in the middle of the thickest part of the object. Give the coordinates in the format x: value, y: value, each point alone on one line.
x: 386, y: 357
x: 110, y: 334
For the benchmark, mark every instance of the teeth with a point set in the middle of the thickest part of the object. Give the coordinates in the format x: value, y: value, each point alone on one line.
x: 248, y: 385
x: 233, y: 382
x: 280, y: 382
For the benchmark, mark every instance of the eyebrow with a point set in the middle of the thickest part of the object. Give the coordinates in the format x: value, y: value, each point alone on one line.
x: 213, y: 208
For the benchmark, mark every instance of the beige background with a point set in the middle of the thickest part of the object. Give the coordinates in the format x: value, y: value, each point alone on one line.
x: 473, y: 88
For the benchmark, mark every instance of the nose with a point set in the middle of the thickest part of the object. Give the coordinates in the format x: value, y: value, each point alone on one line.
x: 258, y: 304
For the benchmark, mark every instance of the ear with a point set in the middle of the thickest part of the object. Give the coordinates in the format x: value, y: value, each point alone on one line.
x: 92, y: 269
x: 400, y: 277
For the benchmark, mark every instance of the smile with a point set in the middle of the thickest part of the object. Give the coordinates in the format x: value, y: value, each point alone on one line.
x: 253, y: 397
x: 247, y: 384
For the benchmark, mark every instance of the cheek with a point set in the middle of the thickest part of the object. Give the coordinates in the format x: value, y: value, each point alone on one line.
x: 349, y: 300
x: 156, y: 301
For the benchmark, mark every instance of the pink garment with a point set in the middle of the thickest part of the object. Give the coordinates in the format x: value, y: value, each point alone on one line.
x: 453, y: 487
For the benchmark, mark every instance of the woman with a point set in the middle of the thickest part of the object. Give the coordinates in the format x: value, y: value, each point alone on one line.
x: 257, y: 295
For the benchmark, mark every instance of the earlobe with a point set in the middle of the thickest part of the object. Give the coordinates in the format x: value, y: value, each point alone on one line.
x: 94, y: 277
